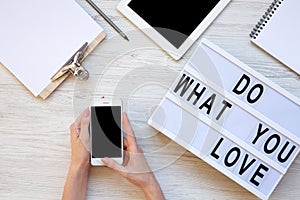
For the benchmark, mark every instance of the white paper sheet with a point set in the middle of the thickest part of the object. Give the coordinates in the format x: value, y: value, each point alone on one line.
x: 38, y: 37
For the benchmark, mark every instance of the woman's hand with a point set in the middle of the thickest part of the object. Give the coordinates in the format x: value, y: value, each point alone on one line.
x: 135, y: 167
x: 80, y: 141
x: 76, y: 183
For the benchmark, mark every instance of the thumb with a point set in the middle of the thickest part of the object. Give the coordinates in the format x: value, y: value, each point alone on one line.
x: 110, y: 163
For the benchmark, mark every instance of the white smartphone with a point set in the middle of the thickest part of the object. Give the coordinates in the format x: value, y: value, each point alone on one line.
x: 106, y: 131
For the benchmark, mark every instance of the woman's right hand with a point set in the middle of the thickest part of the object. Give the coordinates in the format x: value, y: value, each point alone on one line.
x: 135, y: 167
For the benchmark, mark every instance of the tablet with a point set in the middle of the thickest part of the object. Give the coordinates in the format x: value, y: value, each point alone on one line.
x: 172, y: 24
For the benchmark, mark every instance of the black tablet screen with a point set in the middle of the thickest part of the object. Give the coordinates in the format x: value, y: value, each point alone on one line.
x: 175, y: 20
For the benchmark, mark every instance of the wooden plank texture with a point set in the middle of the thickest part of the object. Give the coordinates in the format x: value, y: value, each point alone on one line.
x: 34, y: 137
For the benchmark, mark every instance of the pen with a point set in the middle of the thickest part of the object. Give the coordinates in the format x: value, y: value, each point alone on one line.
x: 108, y: 19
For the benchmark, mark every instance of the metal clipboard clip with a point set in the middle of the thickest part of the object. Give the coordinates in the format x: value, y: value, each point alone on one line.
x: 73, y: 66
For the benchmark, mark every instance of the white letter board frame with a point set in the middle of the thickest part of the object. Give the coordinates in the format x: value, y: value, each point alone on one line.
x: 170, y: 97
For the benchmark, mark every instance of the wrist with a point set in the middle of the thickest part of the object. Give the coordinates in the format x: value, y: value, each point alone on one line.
x: 148, y: 182
x: 152, y: 189
x: 76, y: 183
x: 80, y: 163
x: 79, y: 167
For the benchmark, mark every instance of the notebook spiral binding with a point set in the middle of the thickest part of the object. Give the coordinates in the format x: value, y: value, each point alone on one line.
x: 265, y: 18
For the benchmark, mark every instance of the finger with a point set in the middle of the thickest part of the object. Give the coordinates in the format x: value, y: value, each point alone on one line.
x: 125, y: 152
x: 84, y: 126
x: 73, y: 133
x: 127, y: 126
x: 126, y: 158
x: 78, y: 121
x: 113, y: 165
x: 75, y: 127
x: 125, y: 143
x: 132, y: 145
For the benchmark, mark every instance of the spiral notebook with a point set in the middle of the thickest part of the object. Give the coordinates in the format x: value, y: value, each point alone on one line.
x: 278, y: 32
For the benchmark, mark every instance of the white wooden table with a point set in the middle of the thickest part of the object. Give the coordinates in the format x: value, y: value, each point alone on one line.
x: 34, y: 135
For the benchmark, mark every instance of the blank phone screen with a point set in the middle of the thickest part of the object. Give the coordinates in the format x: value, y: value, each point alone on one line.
x: 174, y: 20
x: 106, y: 131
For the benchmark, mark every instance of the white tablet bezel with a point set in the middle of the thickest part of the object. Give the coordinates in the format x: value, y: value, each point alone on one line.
x: 159, y: 39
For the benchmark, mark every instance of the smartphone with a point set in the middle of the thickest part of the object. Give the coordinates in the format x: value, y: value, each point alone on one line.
x: 106, y: 131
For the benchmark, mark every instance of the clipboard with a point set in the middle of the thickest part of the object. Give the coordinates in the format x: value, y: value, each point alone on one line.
x: 35, y: 45
x: 54, y: 84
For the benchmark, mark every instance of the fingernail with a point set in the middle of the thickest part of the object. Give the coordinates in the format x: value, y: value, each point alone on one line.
x: 87, y: 112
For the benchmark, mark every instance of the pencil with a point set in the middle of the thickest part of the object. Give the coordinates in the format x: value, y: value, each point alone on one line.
x: 108, y: 19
